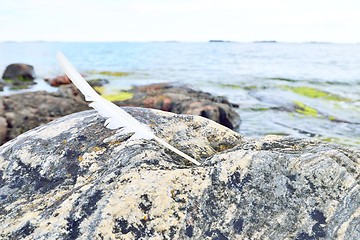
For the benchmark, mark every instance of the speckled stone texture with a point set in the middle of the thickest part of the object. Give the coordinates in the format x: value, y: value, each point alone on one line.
x: 74, y: 179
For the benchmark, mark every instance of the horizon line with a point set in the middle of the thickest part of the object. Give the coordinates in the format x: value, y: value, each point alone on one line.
x: 176, y: 41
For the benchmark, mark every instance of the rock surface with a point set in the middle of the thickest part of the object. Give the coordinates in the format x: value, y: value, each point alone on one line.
x: 74, y: 179
x: 184, y: 100
x: 22, y: 112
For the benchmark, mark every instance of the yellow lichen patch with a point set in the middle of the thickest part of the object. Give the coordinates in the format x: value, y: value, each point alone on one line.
x: 115, y: 143
x: 89, y: 159
x: 98, y: 150
x: 159, y: 187
x: 45, y: 132
x: 229, y: 166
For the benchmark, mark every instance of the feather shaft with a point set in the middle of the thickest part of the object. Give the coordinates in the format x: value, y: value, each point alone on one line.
x: 115, y: 116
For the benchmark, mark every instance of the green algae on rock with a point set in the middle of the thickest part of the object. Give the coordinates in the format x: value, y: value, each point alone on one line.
x: 284, y: 79
x: 304, y: 109
x: 113, y: 97
x: 111, y: 73
x: 315, y: 93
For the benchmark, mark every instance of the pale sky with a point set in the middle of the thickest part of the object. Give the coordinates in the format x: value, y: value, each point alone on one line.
x: 180, y: 20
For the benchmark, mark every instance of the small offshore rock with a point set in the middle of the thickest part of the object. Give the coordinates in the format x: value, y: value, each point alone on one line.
x: 20, y: 72
x: 75, y: 179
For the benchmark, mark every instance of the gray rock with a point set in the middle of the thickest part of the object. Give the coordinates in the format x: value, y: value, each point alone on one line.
x: 22, y: 112
x: 19, y: 74
x: 74, y: 179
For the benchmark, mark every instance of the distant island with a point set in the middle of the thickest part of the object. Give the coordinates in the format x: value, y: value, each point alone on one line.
x: 219, y: 41
x: 270, y: 41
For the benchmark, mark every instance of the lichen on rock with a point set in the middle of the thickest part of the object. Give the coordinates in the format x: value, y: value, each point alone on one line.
x: 75, y: 179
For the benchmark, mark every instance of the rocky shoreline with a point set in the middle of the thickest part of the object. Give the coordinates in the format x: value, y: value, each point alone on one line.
x: 22, y: 112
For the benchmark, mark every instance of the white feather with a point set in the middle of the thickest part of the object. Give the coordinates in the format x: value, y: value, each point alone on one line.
x: 116, y: 117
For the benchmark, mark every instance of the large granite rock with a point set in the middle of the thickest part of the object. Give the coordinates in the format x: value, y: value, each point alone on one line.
x: 74, y: 179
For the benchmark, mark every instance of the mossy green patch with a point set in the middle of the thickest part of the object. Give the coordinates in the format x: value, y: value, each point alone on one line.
x: 233, y: 86
x: 283, y: 79
x: 304, y: 109
x: 18, y: 79
x: 342, y: 141
x: 277, y: 133
x: 19, y: 87
x: 110, y: 73
x: 315, y: 93
x: 114, y: 97
x: 251, y: 87
x: 332, y: 118
x: 8, y: 80
x: 257, y: 109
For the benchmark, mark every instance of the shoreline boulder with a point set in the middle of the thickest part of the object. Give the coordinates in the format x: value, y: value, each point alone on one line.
x: 19, y: 75
x: 184, y: 100
x: 75, y: 179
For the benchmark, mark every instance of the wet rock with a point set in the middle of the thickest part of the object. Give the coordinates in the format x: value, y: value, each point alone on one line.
x: 22, y: 112
x: 64, y: 80
x: 59, y: 80
x: 74, y: 179
x: 180, y: 99
x: 98, y: 82
x: 19, y: 74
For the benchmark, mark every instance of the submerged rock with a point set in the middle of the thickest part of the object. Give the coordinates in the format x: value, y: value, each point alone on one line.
x: 75, y: 179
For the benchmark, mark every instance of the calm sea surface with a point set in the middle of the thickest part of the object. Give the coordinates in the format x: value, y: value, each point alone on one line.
x: 306, y: 90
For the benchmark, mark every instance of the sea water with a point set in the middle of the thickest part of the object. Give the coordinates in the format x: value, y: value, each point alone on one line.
x: 297, y: 89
